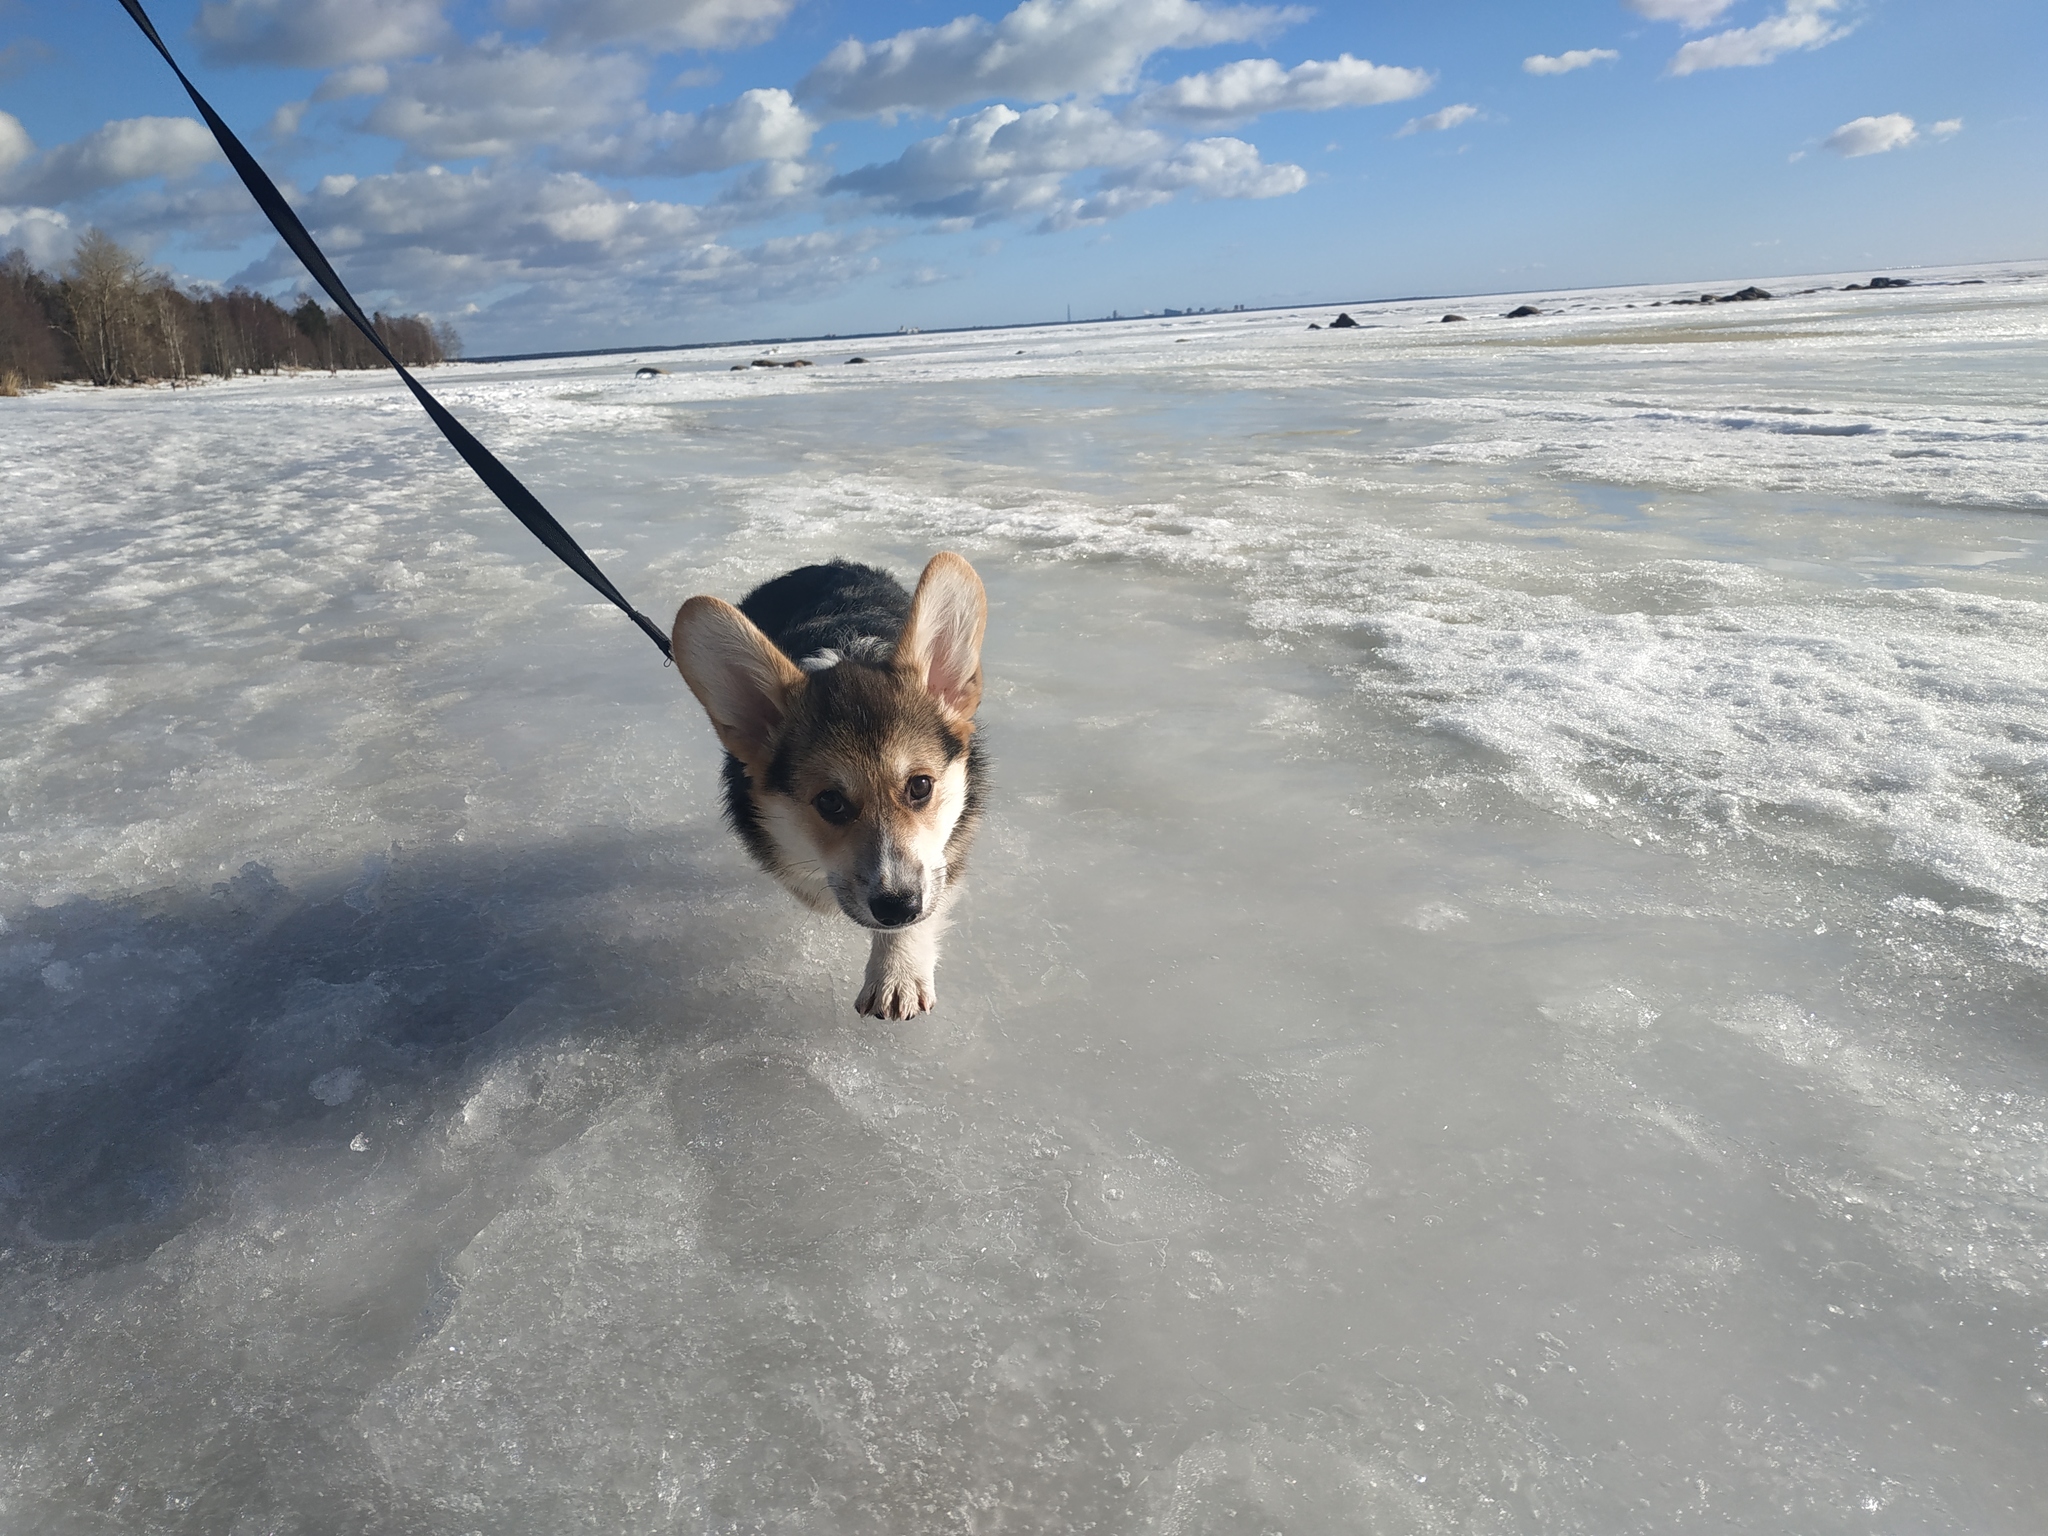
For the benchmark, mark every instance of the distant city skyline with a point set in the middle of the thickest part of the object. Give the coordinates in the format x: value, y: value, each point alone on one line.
x: 549, y: 174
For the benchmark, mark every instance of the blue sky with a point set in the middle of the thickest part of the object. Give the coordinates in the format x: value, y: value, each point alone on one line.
x: 555, y: 173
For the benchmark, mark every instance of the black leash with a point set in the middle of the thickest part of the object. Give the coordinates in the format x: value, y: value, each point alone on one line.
x: 521, y: 502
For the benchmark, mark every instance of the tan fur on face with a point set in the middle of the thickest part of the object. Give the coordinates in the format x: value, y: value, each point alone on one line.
x: 865, y: 732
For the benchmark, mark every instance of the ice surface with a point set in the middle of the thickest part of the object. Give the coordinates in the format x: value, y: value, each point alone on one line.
x: 1502, y: 991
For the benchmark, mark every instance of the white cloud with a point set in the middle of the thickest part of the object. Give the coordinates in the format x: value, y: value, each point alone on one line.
x: 15, y: 144
x: 500, y: 225
x: 582, y: 264
x: 317, y: 34
x: 1873, y: 135
x: 771, y: 186
x: 494, y: 101
x: 1690, y: 14
x: 1250, y: 87
x: 1804, y: 24
x: 667, y: 24
x: 1947, y: 128
x: 587, y: 111
x: 1437, y: 122
x: 356, y: 80
x: 757, y: 125
x: 1001, y: 162
x: 284, y: 122
x: 131, y: 149
x: 1565, y: 63
x: 44, y: 235
x: 1206, y: 169
x: 1041, y: 50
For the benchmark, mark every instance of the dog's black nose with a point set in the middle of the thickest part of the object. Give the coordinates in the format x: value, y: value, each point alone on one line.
x: 894, y: 909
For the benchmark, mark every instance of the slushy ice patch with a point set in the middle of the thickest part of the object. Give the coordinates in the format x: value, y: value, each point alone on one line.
x: 1904, y: 726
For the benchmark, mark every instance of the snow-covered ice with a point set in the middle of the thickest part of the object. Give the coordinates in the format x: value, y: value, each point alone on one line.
x: 1502, y: 990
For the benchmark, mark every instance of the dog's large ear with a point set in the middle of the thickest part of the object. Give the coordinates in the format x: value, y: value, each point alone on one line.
x: 941, y: 644
x: 744, y: 683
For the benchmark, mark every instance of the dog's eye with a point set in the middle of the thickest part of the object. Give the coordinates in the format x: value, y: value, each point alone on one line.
x: 835, y: 807
x: 919, y: 789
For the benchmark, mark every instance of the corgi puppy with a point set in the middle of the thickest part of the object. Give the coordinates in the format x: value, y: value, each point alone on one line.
x: 852, y: 772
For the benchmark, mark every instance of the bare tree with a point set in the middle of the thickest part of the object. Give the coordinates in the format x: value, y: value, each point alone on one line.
x: 103, y: 291
x: 411, y: 338
x: 171, y: 314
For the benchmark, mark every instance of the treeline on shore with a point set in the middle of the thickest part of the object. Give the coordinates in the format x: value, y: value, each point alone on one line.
x: 109, y: 319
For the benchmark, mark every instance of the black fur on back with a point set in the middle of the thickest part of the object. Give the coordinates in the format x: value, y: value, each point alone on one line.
x: 860, y: 612
x: 829, y: 607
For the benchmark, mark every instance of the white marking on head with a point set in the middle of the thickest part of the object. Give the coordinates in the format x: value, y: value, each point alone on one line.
x: 789, y: 828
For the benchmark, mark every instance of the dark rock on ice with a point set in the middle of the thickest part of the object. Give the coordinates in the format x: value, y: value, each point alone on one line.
x: 1744, y: 295
x: 1343, y: 323
x: 1313, y: 326
x: 1447, y: 319
x: 648, y: 372
x: 1521, y: 310
x: 856, y: 360
x: 1879, y: 282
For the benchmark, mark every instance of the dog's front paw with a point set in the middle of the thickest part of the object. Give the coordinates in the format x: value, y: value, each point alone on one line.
x: 896, y: 997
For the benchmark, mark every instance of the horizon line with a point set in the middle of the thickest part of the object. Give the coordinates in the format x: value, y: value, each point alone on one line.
x: 1114, y: 318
